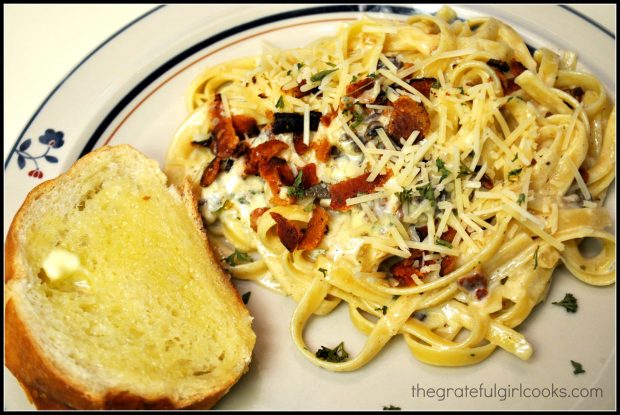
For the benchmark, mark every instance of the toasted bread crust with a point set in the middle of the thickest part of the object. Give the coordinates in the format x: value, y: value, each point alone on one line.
x: 27, y: 362
x: 46, y: 386
x: 191, y: 203
x: 42, y: 401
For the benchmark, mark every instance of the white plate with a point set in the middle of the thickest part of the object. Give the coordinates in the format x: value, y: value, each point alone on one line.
x: 132, y: 91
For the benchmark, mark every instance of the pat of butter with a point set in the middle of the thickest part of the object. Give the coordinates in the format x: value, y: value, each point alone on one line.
x: 60, y: 264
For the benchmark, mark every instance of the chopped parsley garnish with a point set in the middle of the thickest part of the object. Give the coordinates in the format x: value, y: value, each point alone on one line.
x: 243, y: 200
x: 441, y: 166
x: 358, y: 117
x: 280, y: 103
x: 569, y: 303
x: 521, y: 198
x: 405, y: 196
x: 436, y: 84
x: 323, y: 271
x: 320, y: 75
x: 331, y: 64
x: 372, y: 75
x: 513, y: 174
x: 246, y: 297
x: 297, y: 190
x: 577, y: 367
x: 309, y: 208
x: 443, y: 242
x: 464, y: 171
x: 427, y: 193
x: 288, y: 72
x: 382, y: 309
x: 237, y: 258
x: 515, y: 157
x: 336, y: 355
x: 354, y: 79
x: 460, y: 88
x: 395, y: 297
x: 300, y: 65
x: 225, y: 206
x: 536, y: 257
x: 391, y: 408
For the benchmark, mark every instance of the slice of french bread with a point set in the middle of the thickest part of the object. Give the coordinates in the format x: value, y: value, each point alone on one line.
x: 113, y: 297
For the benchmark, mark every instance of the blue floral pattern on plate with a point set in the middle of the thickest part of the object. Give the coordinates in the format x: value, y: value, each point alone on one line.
x: 50, y: 139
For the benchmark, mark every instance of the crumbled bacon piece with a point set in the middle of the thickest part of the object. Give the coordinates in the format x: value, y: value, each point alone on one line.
x: 244, y: 124
x: 210, y: 173
x: 256, y: 213
x: 403, y: 270
x: 262, y: 154
x: 317, y: 226
x: 584, y: 175
x: 293, y: 237
x: 486, y: 181
x: 403, y: 274
x: 288, y: 231
x: 423, y: 85
x: 276, y: 173
x: 516, y: 68
x: 408, y: 116
x: 481, y: 293
x: 298, y: 142
x: 357, y: 88
x: 347, y: 189
x: 322, y: 148
x: 269, y: 173
x: 298, y: 93
x: 284, y: 171
x: 507, y: 73
x: 326, y: 119
x: 226, y: 140
x: 449, y: 234
x: 308, y: 176
x: 475, y: 282
x: 242, y: 148
x: 448, y: 265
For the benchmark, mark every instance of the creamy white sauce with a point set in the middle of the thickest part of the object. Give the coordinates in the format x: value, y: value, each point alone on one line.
x: 244, y: 193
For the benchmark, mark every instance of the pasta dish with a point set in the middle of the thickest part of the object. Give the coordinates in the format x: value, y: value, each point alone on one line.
x: 430, y: 174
